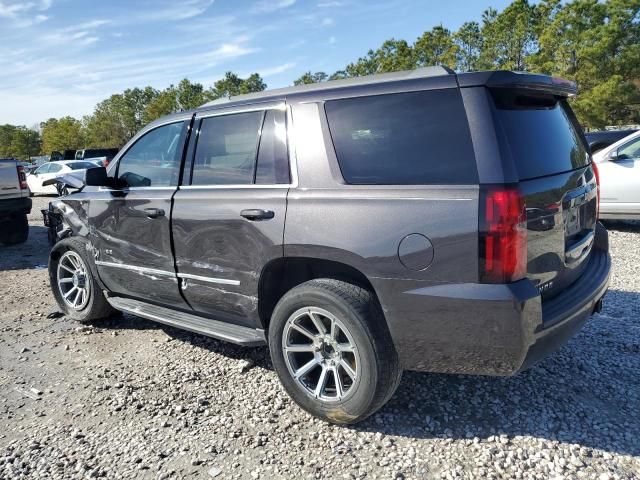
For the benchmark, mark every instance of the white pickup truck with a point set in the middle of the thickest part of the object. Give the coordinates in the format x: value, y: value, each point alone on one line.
x: 15, y: 203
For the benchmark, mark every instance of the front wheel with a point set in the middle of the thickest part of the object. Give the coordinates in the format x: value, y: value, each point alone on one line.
x: 332, y: 350
x: 74, y: 287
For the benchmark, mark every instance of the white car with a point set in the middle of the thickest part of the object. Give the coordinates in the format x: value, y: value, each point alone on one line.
x: 619, y: 168
x: 52, y: 170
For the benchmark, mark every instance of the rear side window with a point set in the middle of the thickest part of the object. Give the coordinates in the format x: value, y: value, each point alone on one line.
x: 81, y: 165
x: 541, y: 133
x: 273, y: 163
x: 416, y: 138
x: 227, y: 148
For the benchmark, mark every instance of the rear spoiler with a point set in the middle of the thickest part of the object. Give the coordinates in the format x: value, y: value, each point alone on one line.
x: 520, y: 80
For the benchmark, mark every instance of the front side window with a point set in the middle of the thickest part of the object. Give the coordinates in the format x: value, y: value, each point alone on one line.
x: 54, y: 168
x: 154, y: 160
x: 227, y: 148
x: 630, y: 150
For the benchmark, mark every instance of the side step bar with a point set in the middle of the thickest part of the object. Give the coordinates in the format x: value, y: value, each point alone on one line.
x: 245, y: 336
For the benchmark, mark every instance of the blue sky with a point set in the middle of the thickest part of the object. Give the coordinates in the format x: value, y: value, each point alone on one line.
x: 61, y: 57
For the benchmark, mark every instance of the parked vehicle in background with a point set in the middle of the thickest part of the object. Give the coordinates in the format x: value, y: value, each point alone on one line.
x: 434, y: 222
x: 104, y: 155
x: 601, y: 139
x: 15, y: 203
x: 619, y: 168
x: 66, y: 155
x: 52, y: 170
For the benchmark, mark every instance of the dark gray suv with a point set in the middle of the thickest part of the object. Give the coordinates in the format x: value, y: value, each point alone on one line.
x: 418, y: 220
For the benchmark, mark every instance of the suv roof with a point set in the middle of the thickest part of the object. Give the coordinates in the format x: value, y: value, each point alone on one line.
x: 434, y: 76
x: 498, y: 78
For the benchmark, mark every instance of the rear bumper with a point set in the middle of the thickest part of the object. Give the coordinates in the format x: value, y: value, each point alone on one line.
x: 490, y: 329
x: 14, y: 206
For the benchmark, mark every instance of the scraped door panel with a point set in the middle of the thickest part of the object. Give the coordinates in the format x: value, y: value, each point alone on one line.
x: 220, y: 254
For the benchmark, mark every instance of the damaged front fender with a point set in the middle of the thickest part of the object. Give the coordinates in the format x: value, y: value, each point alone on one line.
x: 65, y: 217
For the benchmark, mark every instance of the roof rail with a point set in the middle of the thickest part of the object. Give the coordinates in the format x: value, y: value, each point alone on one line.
x: 423, y: 72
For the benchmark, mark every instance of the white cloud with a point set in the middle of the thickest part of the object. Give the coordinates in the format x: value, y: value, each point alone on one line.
x: 267, y: 72
x: 21, y: 14
x: 327, y: 22
x: 172, y: 11
x: 267, y: 6
x: 12, y: 10
x: 330, y: 4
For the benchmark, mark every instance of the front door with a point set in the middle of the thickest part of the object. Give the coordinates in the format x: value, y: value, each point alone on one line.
x: 130, y: 225
x: 620, y: 179
x: 228, y: 219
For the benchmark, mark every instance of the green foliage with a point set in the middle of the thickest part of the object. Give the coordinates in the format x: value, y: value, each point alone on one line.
x: 436, y: 47
x: 468, y: 40
x: 597, y: 44
x: 63, y: 133
x: 509, y: 37
x: 309, y: 77
x: 232, y: 85
x: 18, y: 142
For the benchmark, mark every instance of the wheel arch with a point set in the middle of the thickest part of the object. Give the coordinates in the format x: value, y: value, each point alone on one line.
x: 282, y: 274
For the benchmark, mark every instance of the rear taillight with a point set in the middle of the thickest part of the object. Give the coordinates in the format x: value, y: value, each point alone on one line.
x: 22, y: 178
x: 503, y: 235
x: 597, y: 175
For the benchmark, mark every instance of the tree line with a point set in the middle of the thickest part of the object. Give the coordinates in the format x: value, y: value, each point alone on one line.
x: 595, y: 43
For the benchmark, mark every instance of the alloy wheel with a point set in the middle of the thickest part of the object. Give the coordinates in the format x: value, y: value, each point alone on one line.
x: 320, y: 354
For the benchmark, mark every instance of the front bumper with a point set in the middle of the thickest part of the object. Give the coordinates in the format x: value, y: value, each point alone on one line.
x: 15, y: 206
x: 491, y: 329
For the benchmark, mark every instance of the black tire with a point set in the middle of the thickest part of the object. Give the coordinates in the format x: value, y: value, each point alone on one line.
x: 96, y: 306
x: 14, y: 230
x: 357, y: 308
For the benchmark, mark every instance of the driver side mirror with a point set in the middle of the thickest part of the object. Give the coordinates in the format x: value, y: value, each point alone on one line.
x: 97, y: 177
x: 616, y: 156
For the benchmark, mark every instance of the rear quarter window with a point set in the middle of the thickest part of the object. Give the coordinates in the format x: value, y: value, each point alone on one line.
x: 415, y: 138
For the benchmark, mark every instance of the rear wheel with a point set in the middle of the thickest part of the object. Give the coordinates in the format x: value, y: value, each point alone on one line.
x: 75, y: 289
x: 14, y: 230
x: 332, y: 351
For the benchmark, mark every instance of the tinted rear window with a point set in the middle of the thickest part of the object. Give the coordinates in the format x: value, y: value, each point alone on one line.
x: 417, y: 138
x: 541, y: 134
x: 81, y: 165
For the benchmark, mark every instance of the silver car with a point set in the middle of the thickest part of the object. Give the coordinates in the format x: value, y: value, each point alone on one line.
x: 619, y: 167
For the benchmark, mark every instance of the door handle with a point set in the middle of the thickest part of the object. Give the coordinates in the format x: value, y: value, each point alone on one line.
x: 154, y: 212
x: 257, y: 214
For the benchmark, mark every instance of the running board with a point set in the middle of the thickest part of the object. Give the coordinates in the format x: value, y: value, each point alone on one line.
x: 245, y: 336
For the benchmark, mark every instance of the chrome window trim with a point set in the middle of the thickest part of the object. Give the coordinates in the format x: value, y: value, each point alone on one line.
x: 293, y: 160
x: 126, y: 189
x: 134, y: 268
x: 223, y: 281
x: 228, y: 187
x: 256, y: 107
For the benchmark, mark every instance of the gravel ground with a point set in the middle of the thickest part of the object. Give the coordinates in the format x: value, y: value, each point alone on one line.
x: 126, y: 398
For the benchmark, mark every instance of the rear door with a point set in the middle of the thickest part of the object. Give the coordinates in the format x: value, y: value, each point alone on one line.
x: 130, y: 225
x: 228, y: 218
x: 541, y: 138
